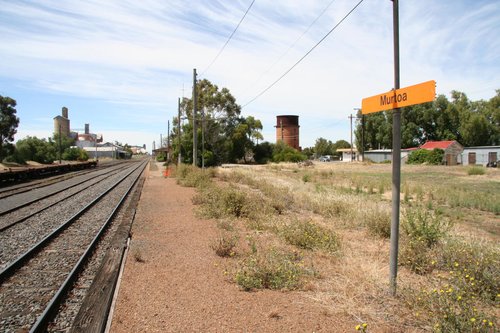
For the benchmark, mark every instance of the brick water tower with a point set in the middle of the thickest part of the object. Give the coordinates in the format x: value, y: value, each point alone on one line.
x: 287, y: 130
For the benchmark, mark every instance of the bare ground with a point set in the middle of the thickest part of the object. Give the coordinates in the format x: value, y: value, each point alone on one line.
x: 174, y: 282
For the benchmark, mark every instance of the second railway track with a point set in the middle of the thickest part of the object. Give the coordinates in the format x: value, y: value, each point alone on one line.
x: 36, y: 281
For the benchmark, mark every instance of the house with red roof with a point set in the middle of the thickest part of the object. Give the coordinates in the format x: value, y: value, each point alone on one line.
x: 452, y: 150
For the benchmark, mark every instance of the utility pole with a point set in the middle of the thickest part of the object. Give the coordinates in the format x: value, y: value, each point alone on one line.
x: 363, y: 137
x: 396, y: 160
x: 195, y: 134
x: 362, y: 132
x: 179, y: 129
x: 203, y: 138
x: 352, y: 157
x: 168, y: 140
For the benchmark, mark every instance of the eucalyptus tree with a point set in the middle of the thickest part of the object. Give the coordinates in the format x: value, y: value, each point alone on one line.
x: 8, y: 125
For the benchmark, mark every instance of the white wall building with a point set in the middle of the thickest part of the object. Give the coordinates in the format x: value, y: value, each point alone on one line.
x: 480, y: 155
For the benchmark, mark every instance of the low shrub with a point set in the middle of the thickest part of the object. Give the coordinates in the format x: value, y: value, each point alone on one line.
x: 161, y: 157
x: 423, y: 225
x: 274, y: 269
x: 467, y: 283
x: 417, y: 256
x: 284, y: 153
x: 190, y: 176
x: 224, y: 245
x: 308, y: 235
x: 75, y: 153
x: 474, y: 267
x: 228, y: 201
x: 306, y: 178
x: 476, y: 170
x: 423, y: 230
x: 14, y: 158
x: 446, y: 309
x: 421, y: 156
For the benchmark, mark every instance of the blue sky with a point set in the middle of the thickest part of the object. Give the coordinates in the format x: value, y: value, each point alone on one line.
x: 121, y: 65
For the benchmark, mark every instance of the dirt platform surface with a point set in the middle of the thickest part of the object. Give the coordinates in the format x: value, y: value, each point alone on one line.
x: 174, y: 282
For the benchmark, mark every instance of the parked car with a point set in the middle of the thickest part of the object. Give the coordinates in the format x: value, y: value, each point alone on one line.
x: 493, y: 164
x: 325, y: 158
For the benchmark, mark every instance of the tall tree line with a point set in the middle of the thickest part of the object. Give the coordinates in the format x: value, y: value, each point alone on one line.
x: 471, y: 123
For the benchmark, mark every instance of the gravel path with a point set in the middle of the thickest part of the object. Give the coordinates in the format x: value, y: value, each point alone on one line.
x: 178, y: 283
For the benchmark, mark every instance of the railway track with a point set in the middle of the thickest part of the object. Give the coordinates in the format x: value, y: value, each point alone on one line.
x: 24, y: 205
x: 59, y: 248
x: 8, y: 190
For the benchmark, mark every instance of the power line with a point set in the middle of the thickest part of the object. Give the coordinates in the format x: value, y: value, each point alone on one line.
x: 303, y: 57
x: 225, y: 44
x: 293, y: 44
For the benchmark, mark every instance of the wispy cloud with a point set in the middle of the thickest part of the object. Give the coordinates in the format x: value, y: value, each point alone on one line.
x: 132, y: 59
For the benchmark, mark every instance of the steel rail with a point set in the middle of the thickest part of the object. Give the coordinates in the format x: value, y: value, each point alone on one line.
x: 51, y: 309
x: 7, y: 271
x: 33, y: 185
x: 10, y: 210
x: 107, y: 175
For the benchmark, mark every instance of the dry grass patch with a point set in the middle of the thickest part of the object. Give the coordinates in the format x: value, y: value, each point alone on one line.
x: 339, y: 205
x: 378, y: 221
x: 224, y: 245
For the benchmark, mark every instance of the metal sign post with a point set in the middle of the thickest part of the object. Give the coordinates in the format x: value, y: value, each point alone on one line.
x: 394, y: 100
x: 396, y: 160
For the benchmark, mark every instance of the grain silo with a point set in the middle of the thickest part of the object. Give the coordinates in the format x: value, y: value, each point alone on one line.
x: 287, y: 130
x: 61, y: 123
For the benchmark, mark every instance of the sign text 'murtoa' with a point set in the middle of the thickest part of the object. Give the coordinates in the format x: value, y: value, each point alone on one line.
x: 385, y: 99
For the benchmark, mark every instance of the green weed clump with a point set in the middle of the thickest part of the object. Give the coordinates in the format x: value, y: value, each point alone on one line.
x: 310, y: 236
x: 190, y: 176
x: 273, y: 269
x: 457, y: 196
x: 421, y: 224
x: 474, y: 267
x: 306, y: 178
x: 465, y: 288
x: 228, y: 201
x: 423, y: 230
x: 450, y: 310
x: 476, y: 170
x: 417, y: 256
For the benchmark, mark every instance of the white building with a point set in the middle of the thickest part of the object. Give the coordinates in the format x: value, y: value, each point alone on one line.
x: 108, y: 150
x: 346, y: 154
x: 480, y: 155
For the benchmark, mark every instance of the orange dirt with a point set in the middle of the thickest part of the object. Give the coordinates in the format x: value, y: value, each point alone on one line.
x: 174, y: 282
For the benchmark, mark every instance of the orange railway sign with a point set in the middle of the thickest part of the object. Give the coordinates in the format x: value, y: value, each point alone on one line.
x: 416, y: 94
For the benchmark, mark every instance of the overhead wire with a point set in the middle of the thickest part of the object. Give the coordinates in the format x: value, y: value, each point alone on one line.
x: 227, y: 41
x: 293, y: 44
x: 304, y: 56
